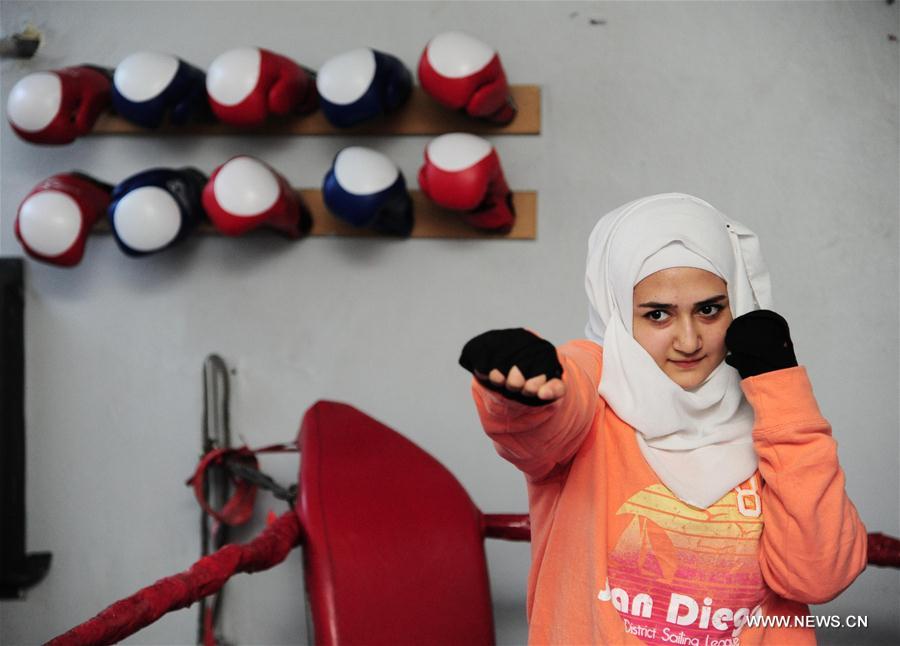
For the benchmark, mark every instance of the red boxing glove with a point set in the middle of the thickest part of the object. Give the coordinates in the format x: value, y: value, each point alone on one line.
x: 245, y: 85
x: 57, y: 106
x: 463, y: 73
x: 462, y: 172
x: 55, y: 218
x: 245, y: 193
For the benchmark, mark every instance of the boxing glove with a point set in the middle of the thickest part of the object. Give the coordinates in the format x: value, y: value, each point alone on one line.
x: 57, y: 106
x: 462, y: 172
x: 759, y: 342
x: 55, y: 218
x: 244, y: 193
x: 463, y: 73
x: 155, y: 209
x: 503, y: 349
x: 360, y: 85
x: 245, y: 85
x: 148, y: 87
x: 366, y: 189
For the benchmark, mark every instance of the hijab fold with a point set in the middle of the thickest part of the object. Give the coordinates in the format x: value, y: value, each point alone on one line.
x: 698, y: 441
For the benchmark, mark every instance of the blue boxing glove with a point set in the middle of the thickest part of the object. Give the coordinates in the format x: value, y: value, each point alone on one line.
x: 360, y: 85
x: 156, y: 208
x: 366, y: 189
x: 149, y: 86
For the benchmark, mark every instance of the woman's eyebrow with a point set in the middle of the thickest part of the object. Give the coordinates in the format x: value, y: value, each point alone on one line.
x: 662, y: 306
x: 711, y: 301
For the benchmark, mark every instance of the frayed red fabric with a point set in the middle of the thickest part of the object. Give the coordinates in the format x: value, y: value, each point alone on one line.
x: 239, y: 507
x: 205, y: 577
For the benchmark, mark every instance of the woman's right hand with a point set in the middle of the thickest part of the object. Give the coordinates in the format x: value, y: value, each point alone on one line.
x: 517, y: 364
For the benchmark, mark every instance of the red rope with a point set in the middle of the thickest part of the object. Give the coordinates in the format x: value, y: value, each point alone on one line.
x: 205, y: 577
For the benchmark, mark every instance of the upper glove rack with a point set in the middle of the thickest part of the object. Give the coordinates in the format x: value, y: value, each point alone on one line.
x: 420, y: 115
x: 463, y: 87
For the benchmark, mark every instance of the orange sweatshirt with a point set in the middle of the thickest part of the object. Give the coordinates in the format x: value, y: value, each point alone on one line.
x: 618, y: 559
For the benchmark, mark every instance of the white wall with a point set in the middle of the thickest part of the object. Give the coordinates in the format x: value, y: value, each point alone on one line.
x: 785, y: 116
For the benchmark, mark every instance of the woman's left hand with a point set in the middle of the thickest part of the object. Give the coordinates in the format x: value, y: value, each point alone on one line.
x: 759, y: 342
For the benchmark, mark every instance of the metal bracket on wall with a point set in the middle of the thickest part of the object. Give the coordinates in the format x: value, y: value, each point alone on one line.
x: 21, y: 45
x: 216, y: 434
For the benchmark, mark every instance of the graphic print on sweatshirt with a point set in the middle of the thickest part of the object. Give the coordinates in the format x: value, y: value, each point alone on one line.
x: 683, y: 575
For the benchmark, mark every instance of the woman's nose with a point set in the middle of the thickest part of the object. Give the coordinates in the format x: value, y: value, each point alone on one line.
x: 687, y: 337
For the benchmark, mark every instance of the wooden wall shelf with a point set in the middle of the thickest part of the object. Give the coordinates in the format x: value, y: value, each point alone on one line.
x: 431, y: 221
x: 420, y: 116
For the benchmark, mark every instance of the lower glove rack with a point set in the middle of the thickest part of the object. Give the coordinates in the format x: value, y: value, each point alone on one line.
x: 431, y: 221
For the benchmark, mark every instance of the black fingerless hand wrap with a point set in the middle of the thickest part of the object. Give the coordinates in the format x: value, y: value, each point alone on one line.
x: 503, y: 349
x: 759, y: 342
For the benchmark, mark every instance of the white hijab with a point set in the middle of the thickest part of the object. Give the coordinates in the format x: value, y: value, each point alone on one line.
x: 697, y: 441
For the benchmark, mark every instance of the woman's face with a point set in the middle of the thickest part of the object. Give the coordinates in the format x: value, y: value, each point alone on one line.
x: 679, y: 317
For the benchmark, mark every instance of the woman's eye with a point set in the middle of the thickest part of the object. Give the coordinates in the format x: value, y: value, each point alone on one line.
x: 657, y: 315
x: 710, y: 310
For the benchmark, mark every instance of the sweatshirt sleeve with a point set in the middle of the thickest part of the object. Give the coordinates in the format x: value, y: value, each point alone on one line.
x: 814, y: 544
x: 539, y: 439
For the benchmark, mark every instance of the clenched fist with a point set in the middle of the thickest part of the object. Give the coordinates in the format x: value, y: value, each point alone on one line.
x: 517, y: 364
x: 759, y: 342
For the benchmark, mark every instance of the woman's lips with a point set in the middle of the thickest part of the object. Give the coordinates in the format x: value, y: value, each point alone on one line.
x: 687, y: 365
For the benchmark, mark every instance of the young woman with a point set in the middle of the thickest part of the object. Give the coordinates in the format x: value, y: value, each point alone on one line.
x: 682, y: 482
